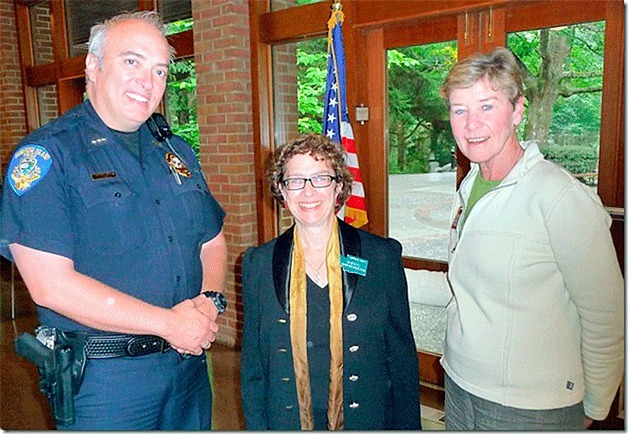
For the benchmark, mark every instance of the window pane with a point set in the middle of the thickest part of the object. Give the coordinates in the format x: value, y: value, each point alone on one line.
x: 299, y: 77
x: 421, y: 149
x: 41, y: 33
x: 174, y: 10
x: 47, y: 102
x: 81, y: 15
x: 563, y: 69
x: 311, y: 82
x: 181, y: 102
x: 285, y: 107
x: 179, y: 26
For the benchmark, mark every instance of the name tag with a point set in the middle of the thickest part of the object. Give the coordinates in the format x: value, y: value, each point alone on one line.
x: 353, y: 264
x: 103, y: 175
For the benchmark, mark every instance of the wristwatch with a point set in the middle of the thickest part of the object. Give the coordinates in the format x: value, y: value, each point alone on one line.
x: 219, y: 300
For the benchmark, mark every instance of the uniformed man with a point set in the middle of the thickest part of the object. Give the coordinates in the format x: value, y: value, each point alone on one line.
x: 116, y: 234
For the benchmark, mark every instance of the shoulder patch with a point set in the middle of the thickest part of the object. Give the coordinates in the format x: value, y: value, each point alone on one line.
x: 29, y: 165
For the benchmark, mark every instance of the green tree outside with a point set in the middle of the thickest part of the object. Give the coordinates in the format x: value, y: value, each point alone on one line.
x: 419, y: 131
x: 311, y: 82
x: 181, y: 93
x: 562, y: 71
x: 562, y: 75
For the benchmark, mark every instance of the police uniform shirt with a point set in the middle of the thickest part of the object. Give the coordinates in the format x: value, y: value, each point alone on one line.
x: 74, y: 189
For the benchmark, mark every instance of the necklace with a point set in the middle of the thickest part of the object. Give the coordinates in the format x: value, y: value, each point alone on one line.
x: 317, y: 277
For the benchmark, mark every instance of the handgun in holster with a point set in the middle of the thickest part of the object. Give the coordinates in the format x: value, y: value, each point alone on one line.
x: 60, y: 358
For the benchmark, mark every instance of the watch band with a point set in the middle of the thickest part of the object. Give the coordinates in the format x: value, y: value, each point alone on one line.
x: 218, y: 298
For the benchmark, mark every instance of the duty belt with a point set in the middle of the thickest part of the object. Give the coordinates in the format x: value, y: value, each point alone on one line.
x: 106, y: 346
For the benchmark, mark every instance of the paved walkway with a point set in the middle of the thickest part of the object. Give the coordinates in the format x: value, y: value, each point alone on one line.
x: 418, y: 217
x: 418, y: 212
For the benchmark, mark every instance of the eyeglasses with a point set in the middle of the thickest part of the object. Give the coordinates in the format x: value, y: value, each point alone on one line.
x: 318, y: 181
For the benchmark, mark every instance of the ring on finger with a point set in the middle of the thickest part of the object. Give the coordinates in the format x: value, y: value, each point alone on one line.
x: 206, y: 345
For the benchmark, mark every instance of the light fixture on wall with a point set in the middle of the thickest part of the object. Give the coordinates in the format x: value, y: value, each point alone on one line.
x: 361, y: 114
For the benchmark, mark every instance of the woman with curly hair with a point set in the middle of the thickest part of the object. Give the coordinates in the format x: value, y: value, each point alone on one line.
x: 327, y: 342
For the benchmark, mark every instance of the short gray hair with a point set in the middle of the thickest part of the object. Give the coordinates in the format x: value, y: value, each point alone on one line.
x: 98, y: 32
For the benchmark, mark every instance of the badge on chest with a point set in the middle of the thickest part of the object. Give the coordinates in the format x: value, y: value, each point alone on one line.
x: 177, y: 167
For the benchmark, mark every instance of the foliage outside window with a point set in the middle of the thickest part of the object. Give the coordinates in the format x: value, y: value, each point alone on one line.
x: 419, y: 131
x: 182, y: 102
x: 181, y: 93
x: 421, y: 150
x: 311, y: 81
x: 179, y: 26
x: 562, y: 72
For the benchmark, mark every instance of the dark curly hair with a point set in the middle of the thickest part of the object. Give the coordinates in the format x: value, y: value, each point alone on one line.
x: 321, y: 148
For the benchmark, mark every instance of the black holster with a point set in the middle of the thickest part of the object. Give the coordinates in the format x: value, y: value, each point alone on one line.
x: 61, y: 364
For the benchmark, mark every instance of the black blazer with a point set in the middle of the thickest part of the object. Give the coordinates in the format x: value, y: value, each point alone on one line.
x: 381, y: 372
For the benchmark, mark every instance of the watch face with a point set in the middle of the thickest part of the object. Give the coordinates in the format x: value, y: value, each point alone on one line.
x: 220, y: 301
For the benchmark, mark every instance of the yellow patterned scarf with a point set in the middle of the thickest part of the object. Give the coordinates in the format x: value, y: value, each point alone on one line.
x: 298, y: 332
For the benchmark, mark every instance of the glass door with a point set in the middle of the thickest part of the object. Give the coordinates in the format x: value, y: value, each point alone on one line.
x: 421, y: 167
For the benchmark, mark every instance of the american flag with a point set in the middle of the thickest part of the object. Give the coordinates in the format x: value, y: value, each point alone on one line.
x: 336, y: 118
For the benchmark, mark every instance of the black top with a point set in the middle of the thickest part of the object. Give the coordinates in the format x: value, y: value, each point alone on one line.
x: 318, y: 352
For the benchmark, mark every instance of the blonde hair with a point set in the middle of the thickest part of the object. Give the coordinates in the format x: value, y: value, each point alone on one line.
x: 499, y: 66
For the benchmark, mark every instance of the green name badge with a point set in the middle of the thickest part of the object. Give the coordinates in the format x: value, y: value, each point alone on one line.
x: 353, y: 264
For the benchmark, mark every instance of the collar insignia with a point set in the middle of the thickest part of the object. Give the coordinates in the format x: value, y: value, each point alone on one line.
x: 28, y: 166
x: 99, y: 141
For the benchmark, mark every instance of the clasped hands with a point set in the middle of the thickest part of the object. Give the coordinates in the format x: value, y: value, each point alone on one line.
x: 193, y: 325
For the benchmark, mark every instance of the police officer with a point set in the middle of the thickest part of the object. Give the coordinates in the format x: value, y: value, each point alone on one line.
x: 116, y: 234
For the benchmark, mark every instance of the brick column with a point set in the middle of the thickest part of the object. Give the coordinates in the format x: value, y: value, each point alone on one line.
x: 12, y: 115
x: 222, y: 57
x: 12, y: 129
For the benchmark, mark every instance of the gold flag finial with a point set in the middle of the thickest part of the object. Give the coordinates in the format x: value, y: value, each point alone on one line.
x: 336, y: 16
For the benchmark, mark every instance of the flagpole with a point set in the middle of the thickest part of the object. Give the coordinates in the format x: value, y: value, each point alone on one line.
x: 337, y: 16
x: 336, y: 123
